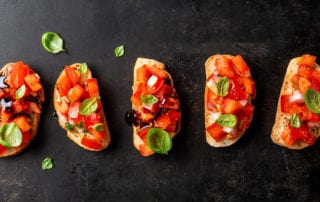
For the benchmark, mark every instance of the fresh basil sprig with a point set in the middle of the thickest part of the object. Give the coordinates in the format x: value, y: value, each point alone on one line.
x: 227, y: 120
x: 223, y: 86
x: 47, y: 163
x: 83, y: 68
x: 148, y: 99
x: 52, y: 42
x: 295, y: 121
x: 119, y: 51
x: 312, y: 100
x: 10, y: 135
x: 88, y: 106
x: 69, y: 126
x: 98, y: 127
x: 159, y: 140
x: 21, y: 91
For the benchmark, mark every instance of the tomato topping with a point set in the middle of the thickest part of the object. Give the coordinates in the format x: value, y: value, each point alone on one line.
x: 154, y: 84
x: 170, y: 103
x: 76, y: 93
x: 235, y: 91
x: 74, y: 112
x: 174, y: 115
x: 249, y: 87
x: 304, y: 84
x: 143, y: 131
x: 164, y: 91
x: 22, y: 123
x: 144, y: 148
x: 172, y: 128
x: 308, y: 115
x: 308, y: 60
x: 315, y: 80
x: 62, y: 107
x: 289, y: 107
x: 152, y: 108
x: 33, y: 81
x: 26, y: 137
x: 92, y: 87
x: 163, y: 121
x: 299, y: 134
x: 91, y: 143
x: 143, y: 74
x: 145, y: 116
x: 216, y: 132
x: 240, y: 66
x: 305, y: 71
x: 160, y: 73
x: 91, y: 120
x: 16, y: 76
x: 63, y: 84
x: 136, y: 97
x: 5, y: 116
x: 230, y: 106
x: 73, y: 75
x: 224, y: 66
x: 19, y: 106
x: 98, y: 135
x: 2, y: 148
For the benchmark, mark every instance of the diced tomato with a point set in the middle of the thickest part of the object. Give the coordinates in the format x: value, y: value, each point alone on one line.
x: 240, y: 66
x: 33, y: 107
x: 19, y: 106
x: 73, y: 75
x: 212, y: 101
x: 308, y: 115
x: 305, y: 71
x: 286, y: 137
x: 174, y: 115
x: 230, y: 106
x: 144, y: 148
x: 91, y: 120
x: 143, y: 74
x: 143, y: 131
x: 74, y: 112
x: 163, y: 121
x: 33, y: 81
x: 288, y: 107
x: 302, y: 134
x: 315, y: 80
x: 136, y: 97
x: 76, y: 93
x: 216, y: 132
x: 224, y: 66
x: 62, y: 107
x: 307, y: 59
x: 249, y: 86
x: 171, y: 128
x: 304, y: 84
x: 247, y: 110
x: 91, y: 143
x: 145, y: 116
x: 170, y: 103
x: 22, y: 123
x: 26, y: 137
x: 92, y: 87
x: 295, y: 81
x: 98, y: 135
x: 152, y: 108
x: 17, y: 74
x: 164, y: 91
x: 2, y: 148
x: 154, y: 84
x: 235, y: 91
x: 161, y: 73
x: 63, y: 84
x: 5, y: 116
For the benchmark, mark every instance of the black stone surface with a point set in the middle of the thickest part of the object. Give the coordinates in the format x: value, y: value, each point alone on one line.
x: 182, y: 34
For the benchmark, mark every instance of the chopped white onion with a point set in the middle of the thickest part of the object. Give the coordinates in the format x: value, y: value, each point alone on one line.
x: 296, y: 97
x: 211, y: 85
x: 152, y: 81
x: 213, y: 117
x: 243, y: 102
x: 228, y: 130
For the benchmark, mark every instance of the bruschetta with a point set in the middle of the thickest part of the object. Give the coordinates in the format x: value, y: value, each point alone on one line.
x: 21, y: 98
x: 228, y: 94
x: 155, y: 114
x: 297, y: 120
x: 78, y: 106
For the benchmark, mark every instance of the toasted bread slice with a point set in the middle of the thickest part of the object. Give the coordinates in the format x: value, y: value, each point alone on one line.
x: 62, y: 119
x: 210, y: 68
x: 140, y: 62
x: 281, y: 118
x: 33, y: 119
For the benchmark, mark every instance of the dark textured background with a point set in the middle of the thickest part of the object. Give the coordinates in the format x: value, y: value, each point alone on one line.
x: 182, y: 34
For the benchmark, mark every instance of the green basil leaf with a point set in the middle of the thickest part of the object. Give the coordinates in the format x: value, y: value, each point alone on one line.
x: 98, y: 127
x: 83, y: 68
x: 148, y: 99
x: 119, y: 51
x: 10, y: 135
x: 21, y: 91
x: 88, y: 106
x: 52, y: 42
x: 69, y: 126
x: 295, y: 121
x: 159, y: 140
x: 227, y: 120
x: 312, y: 100
x: 47, y: 163
x: 223, y: 86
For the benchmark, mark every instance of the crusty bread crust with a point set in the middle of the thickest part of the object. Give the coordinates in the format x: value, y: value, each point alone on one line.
x: 74, y: 136
x: 282, y: 119
x: 35, y: 118
x: 140, y: 62
x: 210, y: 68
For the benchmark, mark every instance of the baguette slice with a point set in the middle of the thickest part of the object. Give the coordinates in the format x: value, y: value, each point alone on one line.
x: 78, y: 136
x: 138, y: 142
x: 282, y: 119
x: 235, y: 135
x: 32, y: 114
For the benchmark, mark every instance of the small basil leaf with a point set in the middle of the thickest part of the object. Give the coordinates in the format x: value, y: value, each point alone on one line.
x: 159, y: 140
x: 52, y: 42
x: 83, y: 68
x: 47, y: 163
x: 312, y: 100
x: 227, y: 120
x: 69, y: 126
x: 21, y: 91
x: 148, y: 99
x: 223, y: 86
x: 88, y: 106
x: 98, y: 127
x: 10, y: 135
x: 295, y: 121
x: 119, y: 51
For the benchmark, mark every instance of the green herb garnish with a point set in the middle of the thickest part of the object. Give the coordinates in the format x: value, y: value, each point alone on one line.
x: 52, y: 42
x: 10, y: 135
x: 312, y: 100
x: 148, y: 99
x: 159, y: 140
x: 227, y: 120
x: 223, y: 86
x: 88, y: 106
x: 98, y: 127
x: 69, y: 126
x: 47, y: 163
x: 295, y: 121
x: 119, y: 51
x: 83, y: 68
x: 21, y: 91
